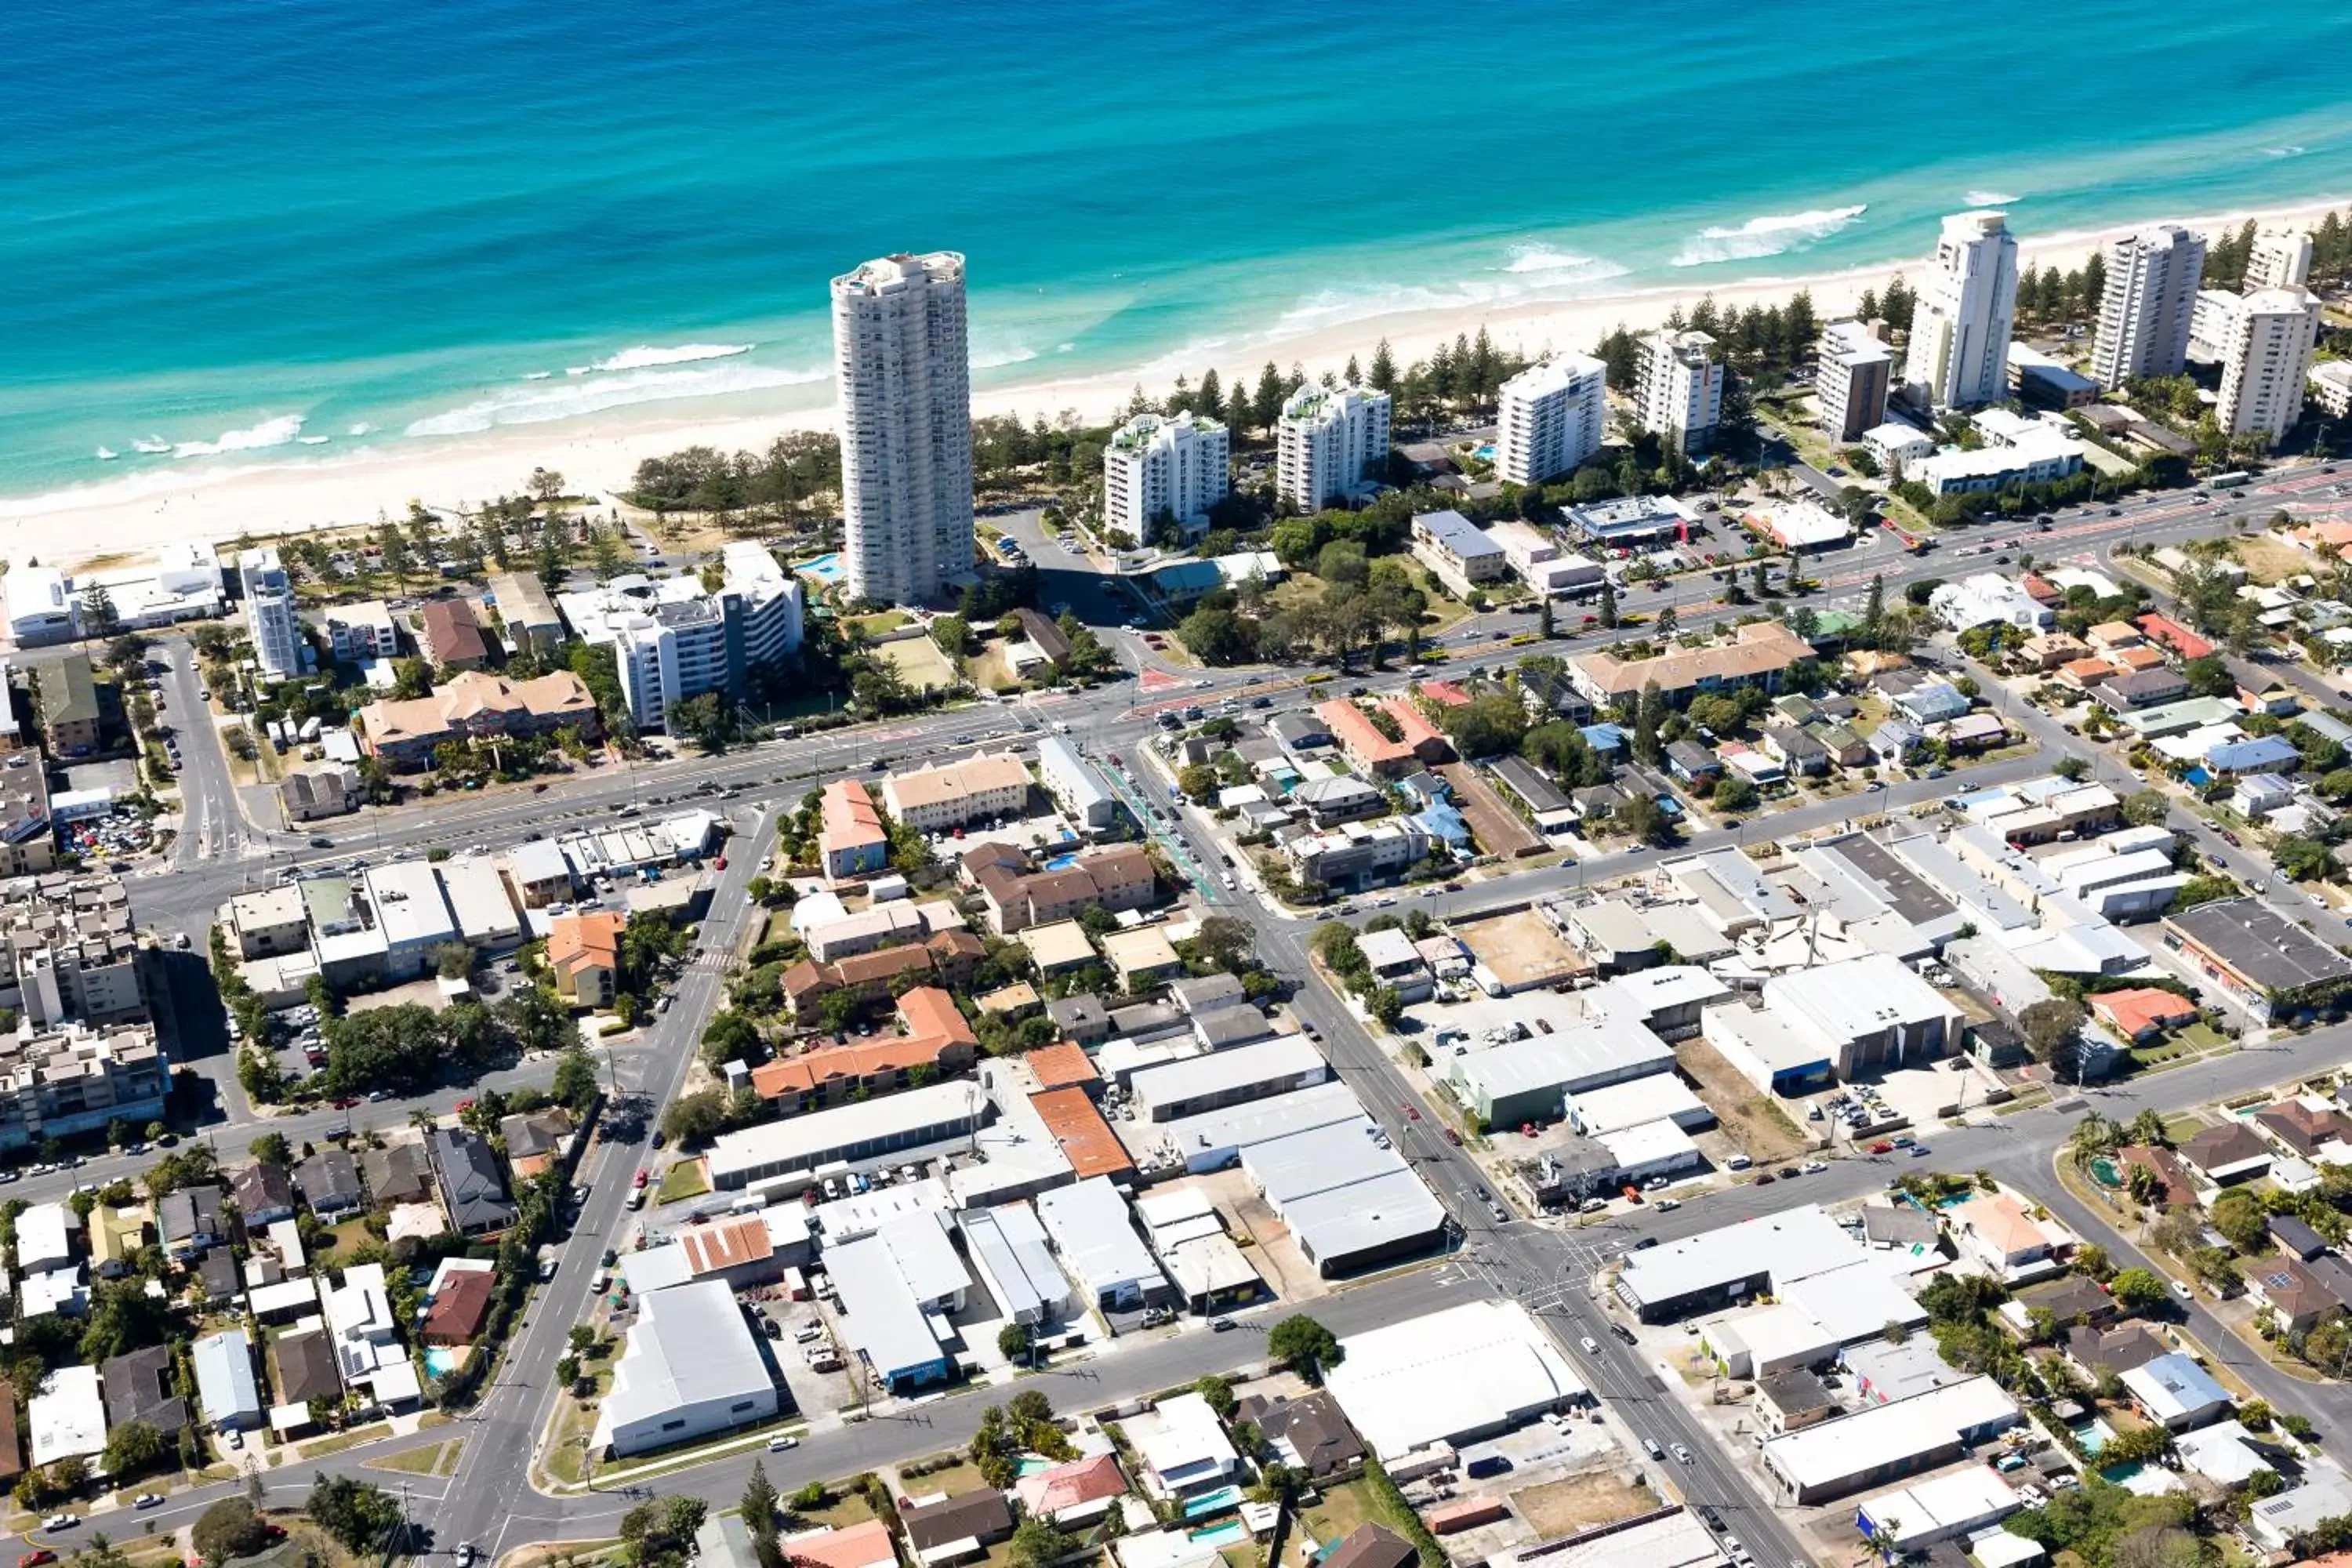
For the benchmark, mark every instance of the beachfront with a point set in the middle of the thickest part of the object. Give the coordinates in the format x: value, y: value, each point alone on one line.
x: 598, y: 454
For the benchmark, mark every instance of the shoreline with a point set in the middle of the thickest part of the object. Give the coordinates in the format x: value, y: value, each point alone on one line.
x: 598, y: 454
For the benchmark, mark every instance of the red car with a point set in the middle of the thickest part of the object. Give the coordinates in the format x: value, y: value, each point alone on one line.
x: 641, y: 1178
x: 1765, y: 1180
x: 345, y: 1103
x: 720, y: 862
x: 1454, y: 1138
x: 1411, y: 1114
x: 1882, y: 1147
x: 36, y: 1557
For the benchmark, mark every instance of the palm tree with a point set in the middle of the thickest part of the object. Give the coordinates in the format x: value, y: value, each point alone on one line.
x: 2147, y: 1128
x: 2093, y: 1135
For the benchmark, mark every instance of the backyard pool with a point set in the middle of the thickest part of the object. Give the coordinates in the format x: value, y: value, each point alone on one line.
x: 1216, y: 1502
x: 440, y: 1361
x: 1226, y: 1534
x: 2103, y: 1172
x: 2093, y: 1434
x: 823, y: 568
x: 1061, y: 862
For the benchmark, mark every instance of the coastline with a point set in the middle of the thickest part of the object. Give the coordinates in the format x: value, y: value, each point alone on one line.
x: 597, y: 454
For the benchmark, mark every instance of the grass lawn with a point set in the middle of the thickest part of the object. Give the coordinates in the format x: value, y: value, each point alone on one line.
x: 952, y: 1482
x: 2201, y: 1036
x: 2179, y: 1130
x: 1341, y: 1510
x: 349, y: 1237
x: 425, y: 1461
x: 881, y: 621
x: 848, y: 1507
x: 686, y: 1179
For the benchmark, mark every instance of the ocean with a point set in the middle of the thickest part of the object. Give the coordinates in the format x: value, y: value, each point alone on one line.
x: 249, y: 230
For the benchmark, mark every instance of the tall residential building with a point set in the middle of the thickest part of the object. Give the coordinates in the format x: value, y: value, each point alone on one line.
x: 904, y: 377
x: 1156, y: 468
x: 2144, y: 314
x: 673, y: 638
x: 2266, y: 362
x: 2280, y: 258
x: 1854, y: 370
x: 1553, y: 417
x: 1326, y: 439
x: 2211, y: 319
x: 1958, y: 355
x: 1678, y: 389
x: 270, y: 613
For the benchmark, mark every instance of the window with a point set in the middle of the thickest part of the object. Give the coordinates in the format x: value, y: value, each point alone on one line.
x: 676, y: 1426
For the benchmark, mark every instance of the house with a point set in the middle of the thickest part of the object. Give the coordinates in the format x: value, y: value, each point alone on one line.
x: 397, y: 1174
x: 2143, y: 689
x: 314, y: 793
x: 139, y: 1388
x: 2259, y: 795
x: 2176, y: 1393
x: 2176, y: 1186
x: 2101, y: 1351
x: 1692, y: 763
x: 1373, y: 1546
x: 473, y: 1189
x: 2142, y: 1012
x: 227, y: 1390
x: 1074, y: 1493
x: 306, y: 1367
x: 1927, y: 702
x: 115, y: 1235
x: 583, y: 958
x: 2295, y: 1237
x: 2230, y: 1152
x: 866, y: 1544
x: 2254, y: 754
x: 1999, y: 1230
x: 1080, y: 1017
x: 1182, y: 1450
x: 956, y: 1529
x: 190, y: 1221
x: 461, y: 1306
x: 2302, y: 1127
x: 2289, y: 1292
x: 1893, y: 744
x: 1799, y: 750
x: 264, y: 1193
x: 1309, y: 1432
x: 450, y: 634
x: 535, y: 1139
x: 2069, y: 1300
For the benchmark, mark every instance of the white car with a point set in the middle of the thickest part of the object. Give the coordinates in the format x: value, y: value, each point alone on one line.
x: 148, y: 1500
x: 1816, y: 1167
x: 1683, y: 1454
x: 1667, y: 1205
x: 779, y: 1445
x: 59, y: 1521
x: 1591, y: 1346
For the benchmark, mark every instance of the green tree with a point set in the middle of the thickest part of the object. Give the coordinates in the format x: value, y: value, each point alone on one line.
x: 1217, y: 1392
x: 1608, y: 608
x: 1014, y: 1341
x: 229, y: 1529
x: 99, y: 616
x: 2148, y: 807
x: 2137, y: 1290
x: 133, y: 1448
x: 1036, y: 1543
x: 1733, y: 792
x: 272, y: 1148
x: 1305, y: 1345
x: 759, y: 1502
x: 659, y: 1533
x: 361, y: 1516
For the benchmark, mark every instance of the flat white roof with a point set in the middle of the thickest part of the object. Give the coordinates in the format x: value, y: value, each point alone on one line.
x: 1010, y: 1245
x: 1856, y: 998
x: 1660, y: 1096
x: 1099, y: 1244
x: 1567, y: 1060
x: 1285, y: 1057
x: 478, y: 897
x: 1793, y: 1244
x: 1341, y: 1192
x: 689, y: 1347
x: 1777, y: 1044
x: 1887, y: 1435
x: 1238, y: 1127
x: 1464, y: 1371
x: 1675, y: 1540
x: 1856, y: 1302
x: 1948, y: 1505
x: 541, y: 860
x: 69, y: 1415
x: 799, y: 1141
x: 409, y: 908
x: 880, y: 1311
x: 1651, y: 1144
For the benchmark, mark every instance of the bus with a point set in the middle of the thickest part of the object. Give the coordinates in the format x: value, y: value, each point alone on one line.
x: 2229, y: 481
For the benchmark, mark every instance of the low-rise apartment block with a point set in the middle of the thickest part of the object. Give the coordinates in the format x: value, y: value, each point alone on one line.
x: 1457, y: 550
x: 527, y: 614
x: 72, y: 1081
x: 851, y: 840
x: 1358, y: 855
x: 1115, y: 876
x: 955, y: 794
x: 450, y: 634
x: 475, y: 706
x: 1759, y: 654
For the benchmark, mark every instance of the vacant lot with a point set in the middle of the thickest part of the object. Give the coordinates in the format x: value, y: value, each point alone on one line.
x: 1522, y: 950
x: 919, y: 661
x: 1761, y: 1128
x: 1579, y: 1502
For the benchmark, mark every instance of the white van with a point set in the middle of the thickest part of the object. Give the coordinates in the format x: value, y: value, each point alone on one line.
x: 1737, y: 1162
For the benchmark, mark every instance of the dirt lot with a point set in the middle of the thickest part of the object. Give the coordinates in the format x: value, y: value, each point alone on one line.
x: 1499, y: 829
x: 1761, y: 1128
x: 2268, y: 560
x: 1522, y: 950
x: 1579, y: 1502
x: 919, y: 660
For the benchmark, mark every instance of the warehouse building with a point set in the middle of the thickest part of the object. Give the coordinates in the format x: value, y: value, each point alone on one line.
x: 1528, y: 1080
x: 1349, y: 1199
x: 850, y: 1138
x: 1451, y: 1377
x: 1220, y: 1078
x: 1715, y: 1268
x: 1887, y: 1442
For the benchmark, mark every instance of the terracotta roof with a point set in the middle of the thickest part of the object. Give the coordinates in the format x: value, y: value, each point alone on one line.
x: 1069, y: 1485
x: 577, y: 942
x: 466, y: 696
x: 1445, y: 693
x: 850, y: 818
x: 2173, y: 635
x: 2002, y: 1221
x: 1353, y: 730
x: 451, y: 632
x: 808, y: 1073
x: 1411, y: 723
x: 930, y: 1013
x: 1094, y: 1150
x: 460, y: 1307
x: 2138, y: 1011
x: 2216, y: 1148
x: 1762, y: 648
x: 2086, y: 670
x: 2179, y: 1188
x: 863, y: 1545
x: 2137, y: 658
x: 1062, y: 1066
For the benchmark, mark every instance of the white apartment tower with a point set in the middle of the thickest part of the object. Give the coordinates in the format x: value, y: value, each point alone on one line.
x: 270, y: 613
x: 2266, y: 362
x: 1958, y: 355
x: 1156, y: 468
x: 1553, y: 417
x: 1678, y: 389
x: 904, y: 370
x: 1326, y: 439
x: 1854, y: 372
x: 2151, y: 294
x: 2280, y: 258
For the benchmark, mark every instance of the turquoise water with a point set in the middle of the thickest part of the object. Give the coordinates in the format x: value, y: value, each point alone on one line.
x: 240, y: 228
x: 1061, y: 862
x: 440, y: 1361
x: 1225, y: 1534
x: 2093, y: 1434
x: 823, y: 568
x: 1216, y: 1502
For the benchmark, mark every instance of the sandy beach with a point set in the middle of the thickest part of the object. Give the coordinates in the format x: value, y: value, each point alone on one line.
x: 598, y: 454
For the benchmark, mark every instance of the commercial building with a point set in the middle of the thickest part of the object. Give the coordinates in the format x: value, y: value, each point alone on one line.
x: 1531, y: 1080
x: 1854, y: 369
x: 1208, y: 1082
x: 1886, y: 1442
x: 1538, y: 558
x: 1678, y: 388
x: 893, y: 1283
x: 1551, y: 418
x: 1099, y: 1248
x: 688, y: 1368
x: 1699, y: 1273
x: 1349, y: 1199
x: 2266, y: 361
x: 1870, y: 1012
x: 902, y: 363
x: 673, y: 638
x: 1160, y: 471
x: 1326, y: 443
x: 2030, y: 454
x: 1626, y: 522
x: 1076, y: 785
x: 2152, y: 277
x: 529, y: 615
x: 858, y: 1136
x: 1450, y: 1377
x: 1014, y: 1258
x: 1948, y: 1508
x: 2268, y: 963
x: 1458, y: 551
x: 955, y: 794
x: 474, y: 708
x: 1958, y: 355
x: 269, y: 618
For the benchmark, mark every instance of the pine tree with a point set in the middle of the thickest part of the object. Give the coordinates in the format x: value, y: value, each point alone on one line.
x: 1647, y: 717
x: 1267, y: 406
x: 1354, y: 377
x: 1896, y: 303
x: 1383, y: 367
x: 1873, y: 612
x: 1609, y: 603
x: 1212, y: 398
x: 1181, y: 400
x: 1240, y: 413
x: 2095, y: 277
x: 1544, y: 621
x: 1867, y: 309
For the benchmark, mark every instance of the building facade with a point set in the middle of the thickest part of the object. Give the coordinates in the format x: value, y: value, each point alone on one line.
x: 1159, y: 469
x: 1551, y: 419
x: 2266, y: 361
x: 1678, y: 389
x: 2151, y: 289
x: 2280, y: 258
x: 270, y: 613
x: 1958, y: 355
x: 903, y: 365
x: 1326, y: 441
x: 673, y: 638
x: 1854, y: 372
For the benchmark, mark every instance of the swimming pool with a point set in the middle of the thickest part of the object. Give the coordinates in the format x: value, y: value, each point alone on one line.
x: 823, y: 568
x: 1061, y: 862
x: 1225, y: 1534
x: 440, y: 1361
x: 2093, y: 1434
x: 1485, y: 454
x: 1216, y: 1502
